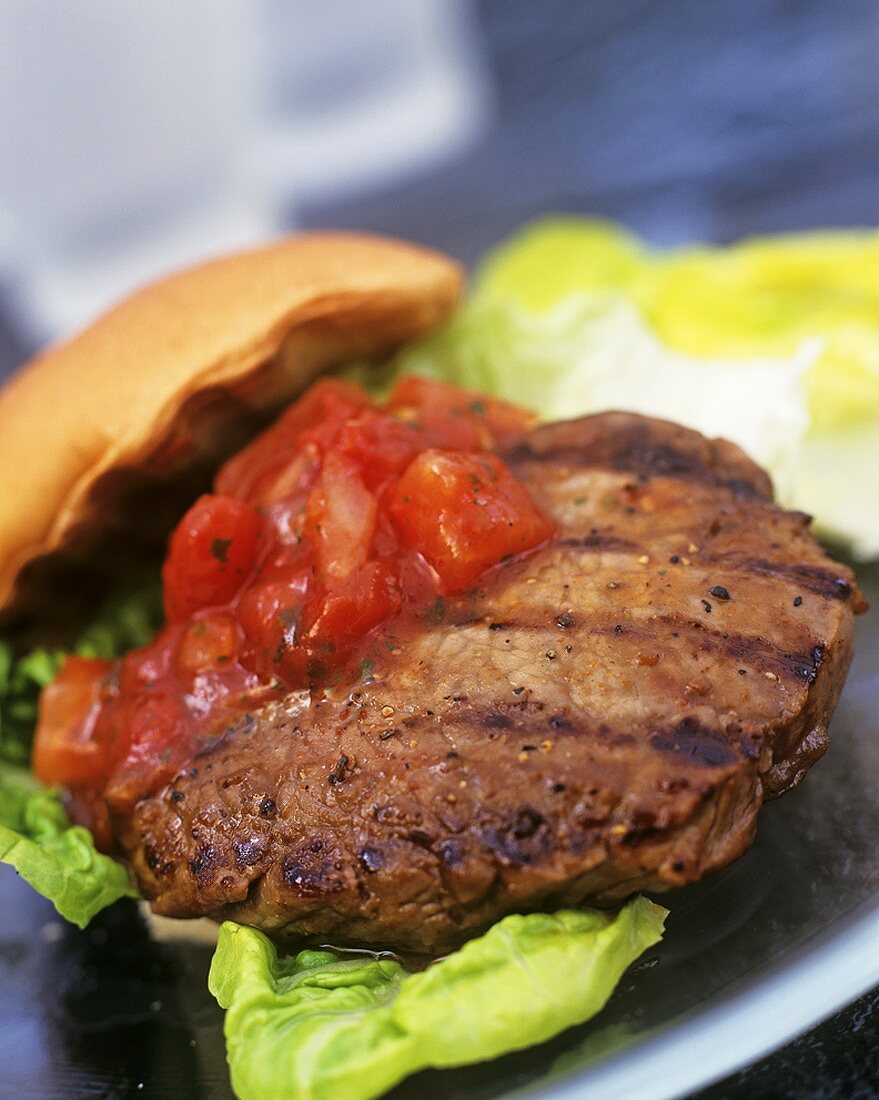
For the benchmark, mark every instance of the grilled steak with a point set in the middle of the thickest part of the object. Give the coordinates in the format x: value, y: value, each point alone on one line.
x: 606, y: 716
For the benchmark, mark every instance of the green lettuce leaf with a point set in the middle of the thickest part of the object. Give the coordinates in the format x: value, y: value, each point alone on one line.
x: 324, y: 1026
x: 21, y: 679
x: 58, y: 859
x: 123, y: 622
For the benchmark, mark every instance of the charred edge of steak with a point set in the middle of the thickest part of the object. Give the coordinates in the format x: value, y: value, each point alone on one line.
x: 330, y: 884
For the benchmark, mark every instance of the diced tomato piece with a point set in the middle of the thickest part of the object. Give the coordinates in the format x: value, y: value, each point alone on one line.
x: 457, y: 419
x: 285, y: 562
x: 288, y: 484
x: 147, y: 666
x: 155, y: 748
x: 270, y: 616
x: 465, y: 513
x: 439, y: 415
x: 340, y: 519
x: 88, y: 808
x: 208, y: 642
x: 337, y: 619
x: 322, y: 410
x: 212, y: 552
x: 381, y: 446
x: 65, y: 751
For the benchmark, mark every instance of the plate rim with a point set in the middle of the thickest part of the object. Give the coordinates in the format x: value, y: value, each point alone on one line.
x: 695, y: 1052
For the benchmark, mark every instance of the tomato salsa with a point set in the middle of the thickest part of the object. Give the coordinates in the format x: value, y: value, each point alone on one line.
x: 341, y: 516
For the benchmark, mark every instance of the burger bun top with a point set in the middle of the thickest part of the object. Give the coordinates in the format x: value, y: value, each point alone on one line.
x: 164, y: 381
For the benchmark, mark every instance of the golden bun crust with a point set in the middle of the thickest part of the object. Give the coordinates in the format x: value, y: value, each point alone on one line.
x: 149, y: 385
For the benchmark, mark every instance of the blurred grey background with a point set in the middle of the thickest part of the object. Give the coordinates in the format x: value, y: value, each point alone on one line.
x: 684, y: 119
x: 136, y: 138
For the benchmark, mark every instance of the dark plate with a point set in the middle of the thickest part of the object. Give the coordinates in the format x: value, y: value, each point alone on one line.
x: 752, y: 956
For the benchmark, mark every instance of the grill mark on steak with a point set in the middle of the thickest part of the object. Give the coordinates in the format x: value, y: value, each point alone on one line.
x: 699, y: 744
x: 577, y: 728
x: 532, y: 722
x: 641, y: 455
x: 642, y: 463
x: 820, y: 580
x: 704, y: 744
x: 599, y: 540
x: 754, y: 650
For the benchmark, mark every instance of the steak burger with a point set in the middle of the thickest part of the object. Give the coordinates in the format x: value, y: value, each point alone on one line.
x: 425, y: 662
